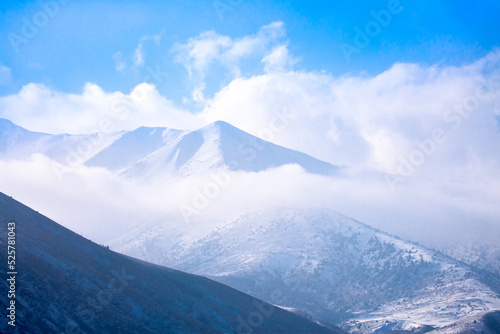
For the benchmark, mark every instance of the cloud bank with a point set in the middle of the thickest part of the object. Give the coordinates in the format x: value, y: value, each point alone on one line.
x: 40, y: 108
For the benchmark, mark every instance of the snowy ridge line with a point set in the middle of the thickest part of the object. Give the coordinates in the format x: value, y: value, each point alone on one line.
x: 310, y: 254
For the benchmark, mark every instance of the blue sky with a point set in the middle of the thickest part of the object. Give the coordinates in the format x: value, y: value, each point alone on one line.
x: 77, y: 42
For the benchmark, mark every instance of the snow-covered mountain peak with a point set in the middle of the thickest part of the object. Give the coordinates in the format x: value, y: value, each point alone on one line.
x: 219, y: 145
x: 155, y: 153
x: 222, y: 124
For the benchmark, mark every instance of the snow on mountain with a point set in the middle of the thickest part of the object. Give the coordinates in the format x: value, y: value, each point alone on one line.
x: 67, y: 284
x: 157, y: 153
x: 331, y: 266
x: 485, y: 323
x: 17, y: 143
x: 221, y: 145
x: 313, y: 261
x: 482, y: 255
x: 133, y: 146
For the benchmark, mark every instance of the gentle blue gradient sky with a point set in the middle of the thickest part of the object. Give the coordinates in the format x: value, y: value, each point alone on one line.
x: 78, y: 43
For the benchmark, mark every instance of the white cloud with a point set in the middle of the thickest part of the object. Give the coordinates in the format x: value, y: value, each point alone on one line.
x: 119, y: 63
x: 138, y: 56
x: 5, y: 75
x: 209, y: 48
x: 101, y: 206
x: 279, y: 59
x: 40, y: 108
x: 198, y: 53
x: 297, y: 108
x: 197, y: 93
x: 118, y: 204
x: 156, y: 38
x: 369, y: 121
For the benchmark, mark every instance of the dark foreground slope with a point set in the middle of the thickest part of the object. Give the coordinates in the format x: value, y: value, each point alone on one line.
x: 67, y: 284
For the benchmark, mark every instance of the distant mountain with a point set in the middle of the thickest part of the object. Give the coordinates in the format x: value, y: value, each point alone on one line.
x: 19, y: 143
x: 313, y: 262
x: 217, y: 145
x: 16, y: 142
x: 67, y: 284
x: 157, y: 153
x: 482, y: 255
x: 331, y: 266
x: 132, y: 146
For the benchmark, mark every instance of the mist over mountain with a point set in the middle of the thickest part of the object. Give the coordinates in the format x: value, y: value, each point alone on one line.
x: 72, y: 150
x: 324, y: 263
x: 261, y: 218
x: 250, y: 167
x: 68, y: 284
x: 148, y: 152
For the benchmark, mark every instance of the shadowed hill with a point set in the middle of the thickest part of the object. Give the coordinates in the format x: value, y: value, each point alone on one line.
x: 68, y: 284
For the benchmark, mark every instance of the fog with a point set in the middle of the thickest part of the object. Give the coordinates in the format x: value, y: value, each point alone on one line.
x: 101, y: 206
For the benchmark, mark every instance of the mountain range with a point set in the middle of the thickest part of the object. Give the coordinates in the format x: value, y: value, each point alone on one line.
x: 152, y: 153
x: 335, y: 268
x: 313, y: 261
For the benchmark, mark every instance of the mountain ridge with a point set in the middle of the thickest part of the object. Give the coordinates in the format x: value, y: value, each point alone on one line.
x: 323, y: 264
x: 334, y: 267
x: 71, y: 284
x: 159, y: 152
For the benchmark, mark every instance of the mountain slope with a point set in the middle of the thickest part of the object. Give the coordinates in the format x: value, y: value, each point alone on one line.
x: 133, y: 146
x: 71, y: 150
x: 16, y: 142
x: 330, y: 265
x: 67, y: 284
x: 482, y: 255
x: 158, y: 153
x: 221, y: 145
